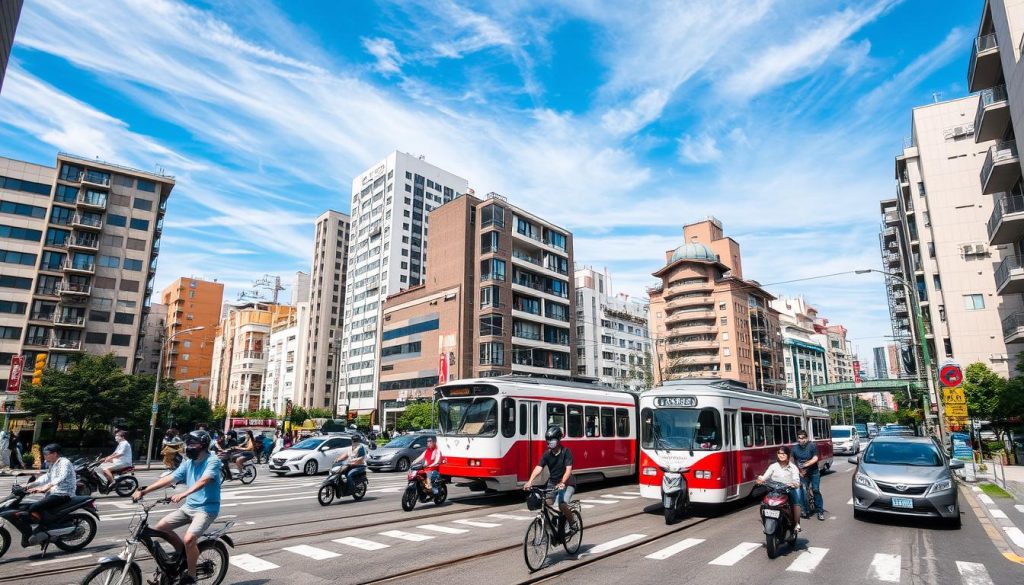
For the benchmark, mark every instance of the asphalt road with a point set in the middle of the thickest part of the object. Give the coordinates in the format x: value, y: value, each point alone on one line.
x: 285, y: 536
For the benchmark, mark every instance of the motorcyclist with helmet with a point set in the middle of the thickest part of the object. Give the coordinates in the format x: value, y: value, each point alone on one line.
x: 201, y: 473
x: 558, y: 460
x: 431, y: 459
x: 355, y: 456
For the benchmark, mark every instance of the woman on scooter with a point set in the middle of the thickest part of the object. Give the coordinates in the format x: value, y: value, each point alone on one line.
x: 785, y: 471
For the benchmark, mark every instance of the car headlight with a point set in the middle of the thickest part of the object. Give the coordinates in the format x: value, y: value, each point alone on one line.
x: 943, y: 485
x: 296, y: 458
x: 387, y: 457
x: 863, y: 480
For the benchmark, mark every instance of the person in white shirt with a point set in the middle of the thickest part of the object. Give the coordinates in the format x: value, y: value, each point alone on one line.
x: 786, y: 472
x: 58, y: 483
x: 120, y: 459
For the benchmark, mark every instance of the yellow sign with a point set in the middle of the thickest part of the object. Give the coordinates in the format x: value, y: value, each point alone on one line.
x: 960, y: 422
x: 954, y: 410
x: 954, y: 396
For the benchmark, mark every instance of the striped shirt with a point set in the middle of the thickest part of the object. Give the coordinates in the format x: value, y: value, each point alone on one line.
x: 62, y: 475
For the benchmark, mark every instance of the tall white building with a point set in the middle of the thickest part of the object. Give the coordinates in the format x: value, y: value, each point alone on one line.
x: 391, y: 202
x: 326, y: 297
x: 804, y: 353
x: 285, y: 359
x: 300, y: 288
x: 613, y: 341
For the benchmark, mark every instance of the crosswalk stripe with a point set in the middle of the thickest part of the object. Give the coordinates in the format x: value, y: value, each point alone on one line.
x: 976, y: 489
x: 632, y: 494
x: 1020, y: 508
x: 599, y: 501
x: 317, y: 554
x: 477, y: 524
x: 1015, y: 535
x: 443, y: 529
x: 973, y: 573
x: 616, y: 497
x: 360, y: 543
x: 806, y: 562
x: 736, y: 554
x: 885, y: 567
x: 251, y: 564
x: 509, y: 517
x: 997, y: 513
x: 410, y: 536
x: 621, y: 541
x: 985, y: 499
x: 675, y: 548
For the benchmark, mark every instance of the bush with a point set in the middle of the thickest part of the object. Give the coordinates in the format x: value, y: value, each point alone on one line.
x: 29, y: 460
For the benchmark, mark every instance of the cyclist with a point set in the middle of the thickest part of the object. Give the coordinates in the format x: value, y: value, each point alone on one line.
x: 120, y: 459
x: 558, y: 460
x: 356, y: 457
x: 200, y: 472
x: 246, y: 450
x: 431, y: 459
x: 805, y: 452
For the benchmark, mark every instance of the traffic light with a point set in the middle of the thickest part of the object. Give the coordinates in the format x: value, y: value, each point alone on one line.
x: 37, y: 374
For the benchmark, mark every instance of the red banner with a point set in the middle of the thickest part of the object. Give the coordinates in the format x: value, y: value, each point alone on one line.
x: 442, y: 369
x: 14, y: 378
x: 253, y: 422
x: 856, y: 372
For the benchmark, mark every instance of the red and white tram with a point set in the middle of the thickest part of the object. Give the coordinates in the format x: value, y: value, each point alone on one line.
x: 723, y: 433
x: 491, y: 430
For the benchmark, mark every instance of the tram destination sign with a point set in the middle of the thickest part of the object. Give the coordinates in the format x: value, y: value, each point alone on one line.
x: 678, y: 401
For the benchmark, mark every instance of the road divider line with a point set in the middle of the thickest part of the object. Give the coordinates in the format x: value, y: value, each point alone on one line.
x: 973, y: 573
x: 509, y: 517
x: 674, y: 549
x: 1020, y: 508
x: 616, y: 497
x: 599, y: 501
x: 442, y: 529
x: 317, y: 554
x: 736, y: 554
x: 410, y: 536
x: 885, y: 567
x: 252, y: 564
x: 632, y: 493
x: 808, y: 561
x: 361, y: 543
x: 621, y: 541
x: 60, y: 560
x: 477, y: 524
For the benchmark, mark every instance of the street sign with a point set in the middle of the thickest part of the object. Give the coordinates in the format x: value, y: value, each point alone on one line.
x: 951, y: 375
x: 856, y: 372
x: 14, y: 378
x: 156, y: 407
x: 954, y: 395
x: 442, y: 369
x: 956, y: 411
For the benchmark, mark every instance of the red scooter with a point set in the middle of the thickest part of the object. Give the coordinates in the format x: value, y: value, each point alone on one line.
x: 417, y: 490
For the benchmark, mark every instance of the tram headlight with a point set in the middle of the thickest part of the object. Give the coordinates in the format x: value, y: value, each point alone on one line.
x: 650, y: 471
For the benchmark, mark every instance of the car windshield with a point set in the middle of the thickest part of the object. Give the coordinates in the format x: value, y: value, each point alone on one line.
x: 897, y: 453
x: 471, y: 417
x: 401, y: 442
x: 840, y: 433
x: 681, y: 428
x: 308, y: 444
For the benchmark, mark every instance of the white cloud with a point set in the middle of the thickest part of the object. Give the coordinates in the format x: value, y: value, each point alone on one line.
x: 389, y: 60
x: 699, y: 150
x: 643, y: 110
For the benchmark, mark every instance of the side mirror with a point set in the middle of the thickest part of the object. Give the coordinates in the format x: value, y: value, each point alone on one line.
x: 854, y: 460
x: 956, y: 464
x: 417, y: 446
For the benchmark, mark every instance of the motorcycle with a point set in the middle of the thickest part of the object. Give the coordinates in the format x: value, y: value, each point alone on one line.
x: 211, y: 568
x: 338, y: 485
x: 675, y: 494
x: 417, y: 490
x: 776, y: 518
x: 70, y: 527
x: 89, y: 481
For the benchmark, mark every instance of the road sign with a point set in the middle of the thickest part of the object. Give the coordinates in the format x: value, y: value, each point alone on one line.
x: 156, y: 407
x: 951, y: 375
x: 957, y: 411
x: 954, y: 395
x: 14, y: 378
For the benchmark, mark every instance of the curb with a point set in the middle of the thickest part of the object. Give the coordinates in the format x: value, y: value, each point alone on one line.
x: 995, y: 528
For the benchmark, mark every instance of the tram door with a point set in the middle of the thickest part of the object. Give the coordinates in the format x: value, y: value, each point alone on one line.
x: 732, y: 463
x: 531, y: 431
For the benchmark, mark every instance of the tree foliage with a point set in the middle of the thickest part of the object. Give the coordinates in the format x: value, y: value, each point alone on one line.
x: 983, y: 388
x: 418, y: 415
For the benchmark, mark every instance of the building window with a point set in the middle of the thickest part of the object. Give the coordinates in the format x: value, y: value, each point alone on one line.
x: 492, y: 354
x: 490, y: 296
x: 490, y: 325
x: 140, y: 224
x: 489, y: 242
x: 492, y: 269
x: 936, y: 282
x: 492, y: 215
x: 724, y: 320
x: 973, y: 302
x: 118, y: 220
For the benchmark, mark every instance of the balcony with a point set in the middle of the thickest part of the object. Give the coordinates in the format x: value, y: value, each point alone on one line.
x: 685, y: 302
x: 685, y: 287
x: 993, y: 114
x: 685, y: 316
x: 695, y: 358
x: 1006, y: 224
x: 889, y: 233
x: 1009, y: 276
x: 83, y: 242
x: 86, y: 222
x: 900, y: 309
x: 42, y: 317
x: 691, y: 345
x: 38, y: 341
x: 92, y: 201
x: 1013, y: 328
x: 892, y: 217
x: 984, y: 69
x: 69, y: 320
x: 58, y: 344
x: 689, y: 327
x: 73, y: 289
x: 892, y: 259
x: 1001, y: 169
x: 78, y: 267
x: 94, y: 178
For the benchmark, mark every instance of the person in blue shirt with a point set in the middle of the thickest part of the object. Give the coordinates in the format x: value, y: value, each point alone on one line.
x: 200, y: 472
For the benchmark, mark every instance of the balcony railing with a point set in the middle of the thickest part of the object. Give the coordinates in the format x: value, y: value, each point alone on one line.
x: 94, y: 178
x: 61, y: 319
x: 86, y: 221
x: 990, y: 96
x: 1013, y: 324
x: 41, y: 340
x: 1003, y: 204
x: 981, y: 44
x: 536, y: 336
x: 889, y: 233
x: 1003, y: 270
x: 92, y: 200
x: 892, y: 217
x: 74, y: 288
x: 88, y: 267
x: 82, y: 242
x: 998, y: 152
x: 68, y: 344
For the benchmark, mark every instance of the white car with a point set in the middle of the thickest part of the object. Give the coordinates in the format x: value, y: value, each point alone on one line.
x: 309, y: 456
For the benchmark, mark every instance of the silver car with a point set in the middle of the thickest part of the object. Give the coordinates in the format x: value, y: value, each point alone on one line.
x: 399, y: 453
x: 906, y: 476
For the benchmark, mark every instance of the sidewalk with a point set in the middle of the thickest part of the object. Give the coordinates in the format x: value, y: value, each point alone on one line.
x: 1000, y: 516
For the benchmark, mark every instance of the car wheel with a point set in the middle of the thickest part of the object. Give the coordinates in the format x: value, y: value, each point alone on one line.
x: 311, y: 467
x: 402, y: 465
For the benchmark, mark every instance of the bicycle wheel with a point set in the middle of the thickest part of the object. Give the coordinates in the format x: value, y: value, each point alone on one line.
x: 212, y: 564
x: 248, y: 474
x: 572, y: 542
x: 112, y: 573
x: 535, y: 545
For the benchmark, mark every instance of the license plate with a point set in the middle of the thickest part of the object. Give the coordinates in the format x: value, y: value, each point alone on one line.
x: 902, y: 503
x: 771, y: 513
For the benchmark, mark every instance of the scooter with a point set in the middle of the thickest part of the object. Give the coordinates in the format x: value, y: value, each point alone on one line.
x: 338, y: 485
x: 417, y: 490
x: 776, y: 518
x: 675, y: 494
x: 70, y: 527
x: 89, y: 481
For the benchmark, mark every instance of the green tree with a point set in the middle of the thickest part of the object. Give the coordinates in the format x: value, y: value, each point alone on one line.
x: 417, y: 415
x: 299, y: 415
x: 259, y: 413
x: 316, y: 412
x: 218, y: 416
x: 983, y: 388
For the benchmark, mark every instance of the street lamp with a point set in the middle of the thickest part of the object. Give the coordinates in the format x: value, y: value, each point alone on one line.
x: 156, y: 390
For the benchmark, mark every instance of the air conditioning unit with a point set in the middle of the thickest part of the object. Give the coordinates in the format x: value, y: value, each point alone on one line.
x: 973, y: 249
x: 998, y: 357
x: 958, y: 131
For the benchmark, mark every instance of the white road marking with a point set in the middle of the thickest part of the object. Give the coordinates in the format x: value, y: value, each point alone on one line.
x: 607, y: 546
x: 973, y: 573
x: 360, y: 543
x: 675, y: 548
x: 885, y: 568
x: 249, y: 523
x: 735, y: 555
x: 509, y: 517
x: 1015, y: 535
x: 410, y: 536
x: 985, y: 499
x: 477, y: 524
x: 443, y: 529
x: 599, y: 501
x: 632, y: 493
x: 390, y: 490
x: 586, y: 506
x: 317, y: 554
x: 997, y: 513
x: 850, y: 503
x: 808, y: 561
x: 60, y: 560
x: 1020, y: 508
x: 615, y: 497
x: 251, y: 564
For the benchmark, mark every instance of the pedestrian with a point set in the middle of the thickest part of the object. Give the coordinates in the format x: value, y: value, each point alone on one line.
x: 5, y: 449
x: 173, y: 448
x: 17, y: 461
x: 278, y: 443
x: 805, y: 454
x: 287, y: 441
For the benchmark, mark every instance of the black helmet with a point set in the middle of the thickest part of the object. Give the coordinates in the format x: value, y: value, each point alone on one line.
x: 357, y: 438
x: 233, y: 434
x: 196, y: 443
x: 554, y: 434
x: 53, y: 448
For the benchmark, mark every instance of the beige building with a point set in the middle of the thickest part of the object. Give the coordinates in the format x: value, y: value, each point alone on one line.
x: 708, y: 321
x: 10, y: 11
x: 152, y: 336
x: 934, y: 237
x: 240, y: 354
x: 188, y: 356
x: 285, y: 356
x: 78, y: 249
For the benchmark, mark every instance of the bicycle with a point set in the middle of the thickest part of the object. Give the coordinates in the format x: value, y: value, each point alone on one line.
x: 549, y: 528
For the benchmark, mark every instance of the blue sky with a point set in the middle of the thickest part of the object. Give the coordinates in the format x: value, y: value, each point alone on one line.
x: 619, y: 120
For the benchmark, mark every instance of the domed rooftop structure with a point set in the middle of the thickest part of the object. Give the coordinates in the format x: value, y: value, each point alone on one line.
x: 694, y: 251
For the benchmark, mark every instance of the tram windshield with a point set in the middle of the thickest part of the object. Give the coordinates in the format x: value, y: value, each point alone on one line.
x: 468, y: 417
x: 681, y: 428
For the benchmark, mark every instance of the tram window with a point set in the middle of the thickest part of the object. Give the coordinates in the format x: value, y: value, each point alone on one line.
x: 621, y: 422
x: 748, y: 429
x: 590, y: 420
x: 777, y: 429
x: 787, y: 429
x: 523, y: 419
x: 556, y: 416
x: 508, y: 418
x: 536, y: 419
x: 794, y: 426
x: 759, y: 430
x: 607, y: 422
x: 575, y: 420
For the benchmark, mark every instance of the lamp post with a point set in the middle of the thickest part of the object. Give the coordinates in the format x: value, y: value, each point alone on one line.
x: 156, y: 391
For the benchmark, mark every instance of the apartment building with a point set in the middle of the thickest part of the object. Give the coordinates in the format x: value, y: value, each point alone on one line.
x: 613, y: 340
x: 240, y: 354
x: 707, y: 321
x: 285, y: 356
x: 322, y: 333
x: 152, y: 335
x: 391, y: 204
x: 188, y: 356
x: 78, y: 249
x: 10, y: 11
x: 498, y: 300
x: 935, y: 243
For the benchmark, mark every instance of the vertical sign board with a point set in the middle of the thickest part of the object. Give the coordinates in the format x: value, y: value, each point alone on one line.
x: 14, y: 378
x: 856, y: 372
x: 442, y: 368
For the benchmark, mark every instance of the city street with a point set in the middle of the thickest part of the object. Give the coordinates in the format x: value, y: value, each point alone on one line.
x: 284, y: 536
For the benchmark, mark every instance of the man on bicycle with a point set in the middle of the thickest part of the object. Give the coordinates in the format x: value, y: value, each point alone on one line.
x: 805, y: 454
x: 558, y: 461
x: 201, y: 474
x: 431, y: 458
